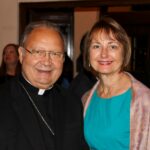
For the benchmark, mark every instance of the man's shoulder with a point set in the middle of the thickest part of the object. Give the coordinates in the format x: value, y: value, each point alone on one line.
x: 59, y: 90
x: 67, y: 94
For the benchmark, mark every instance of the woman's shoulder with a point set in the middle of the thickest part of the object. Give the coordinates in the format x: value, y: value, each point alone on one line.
x: 87, y: 95
x: 141, y: 92
x: 138, y: 86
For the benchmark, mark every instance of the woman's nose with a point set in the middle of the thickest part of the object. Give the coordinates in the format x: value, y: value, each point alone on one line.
x: 104, y: 52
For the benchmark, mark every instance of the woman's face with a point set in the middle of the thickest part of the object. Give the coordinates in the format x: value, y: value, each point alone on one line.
x: 105, y: 54
x: 10, y: 55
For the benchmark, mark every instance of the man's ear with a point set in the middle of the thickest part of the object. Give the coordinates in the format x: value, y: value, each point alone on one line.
x: 20, y: 51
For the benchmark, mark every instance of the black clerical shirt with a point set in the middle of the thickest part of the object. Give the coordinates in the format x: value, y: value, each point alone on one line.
x: 44, y: 103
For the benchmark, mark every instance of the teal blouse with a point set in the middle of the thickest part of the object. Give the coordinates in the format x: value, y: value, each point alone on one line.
x: 107, y: 122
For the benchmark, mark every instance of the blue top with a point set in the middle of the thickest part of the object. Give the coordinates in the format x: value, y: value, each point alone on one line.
x: 107, y: 122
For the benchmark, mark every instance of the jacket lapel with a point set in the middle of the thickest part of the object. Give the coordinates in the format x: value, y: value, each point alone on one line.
x: 27, y: 117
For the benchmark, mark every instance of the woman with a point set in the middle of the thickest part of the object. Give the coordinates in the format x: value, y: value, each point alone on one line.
x: 117, y: 108
x: 10, y: 65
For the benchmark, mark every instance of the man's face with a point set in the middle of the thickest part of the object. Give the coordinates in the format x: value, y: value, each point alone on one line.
x: 42, y: 72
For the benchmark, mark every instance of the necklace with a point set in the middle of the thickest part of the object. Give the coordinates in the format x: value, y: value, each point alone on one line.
x: 37, y: 110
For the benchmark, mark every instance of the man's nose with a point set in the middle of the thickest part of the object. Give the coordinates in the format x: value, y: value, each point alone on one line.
x: 47, y: 57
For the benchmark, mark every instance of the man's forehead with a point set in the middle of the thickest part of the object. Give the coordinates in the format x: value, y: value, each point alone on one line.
x: 43, y: 32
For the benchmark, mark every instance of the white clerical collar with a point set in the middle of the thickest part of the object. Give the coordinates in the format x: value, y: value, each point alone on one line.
x: 40, y: 91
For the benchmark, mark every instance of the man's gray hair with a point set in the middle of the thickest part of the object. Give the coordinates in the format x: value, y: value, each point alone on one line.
x: 33, y: 25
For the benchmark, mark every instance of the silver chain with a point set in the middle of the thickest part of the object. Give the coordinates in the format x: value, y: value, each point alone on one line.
x: 38, y: 111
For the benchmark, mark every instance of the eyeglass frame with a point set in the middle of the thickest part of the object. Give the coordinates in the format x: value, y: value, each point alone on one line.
x: 61, y: 55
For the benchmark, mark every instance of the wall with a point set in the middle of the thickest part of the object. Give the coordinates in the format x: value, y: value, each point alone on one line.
x: 83, y: 19
x: 9, y: 23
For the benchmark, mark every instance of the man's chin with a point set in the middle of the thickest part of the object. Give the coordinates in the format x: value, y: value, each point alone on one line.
x: 43, y: 84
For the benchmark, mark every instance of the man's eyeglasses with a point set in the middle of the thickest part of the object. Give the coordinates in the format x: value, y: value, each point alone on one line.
x: 41, y: 54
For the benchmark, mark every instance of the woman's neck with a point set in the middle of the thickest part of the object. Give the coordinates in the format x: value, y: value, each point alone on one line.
x: 114, y: 84
x: 11, y: 70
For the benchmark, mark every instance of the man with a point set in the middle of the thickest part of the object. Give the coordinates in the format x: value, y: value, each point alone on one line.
x: 36, y: 114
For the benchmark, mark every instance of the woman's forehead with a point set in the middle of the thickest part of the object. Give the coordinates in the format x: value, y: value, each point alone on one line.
x: 103, y: 34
